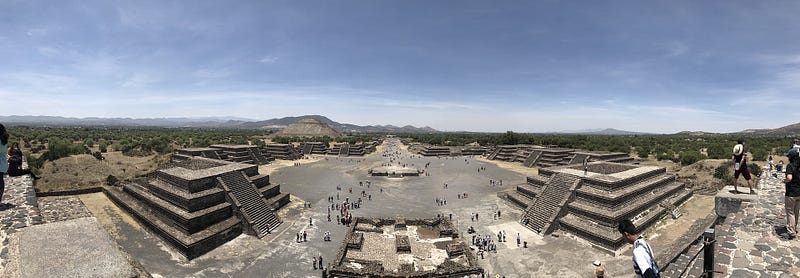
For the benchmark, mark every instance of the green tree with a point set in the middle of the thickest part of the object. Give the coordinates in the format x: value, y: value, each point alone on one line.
x: 690, y: 157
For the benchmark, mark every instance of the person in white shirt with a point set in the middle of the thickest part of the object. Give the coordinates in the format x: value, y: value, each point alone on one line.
x: 644, y: 263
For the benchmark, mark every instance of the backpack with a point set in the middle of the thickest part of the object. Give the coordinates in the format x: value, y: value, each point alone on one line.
x: 653, y: 264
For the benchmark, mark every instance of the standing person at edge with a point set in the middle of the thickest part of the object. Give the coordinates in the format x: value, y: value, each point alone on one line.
x: 792, y: 199
x: 740, y: 167
x: 3, y: 161
x: 644, y: 263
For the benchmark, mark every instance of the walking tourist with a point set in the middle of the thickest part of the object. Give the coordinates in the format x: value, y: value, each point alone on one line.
x: 740, y: 167
x: 585, y: 165
x: 792, y: 196
x: 3, y: 160
x: 314, y: 262
x: 644, y: 263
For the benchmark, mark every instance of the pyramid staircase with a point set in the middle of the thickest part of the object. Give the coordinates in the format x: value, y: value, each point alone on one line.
x: 307, y: 148
x: 545, y: 209
x: 494, y: 153
x: 532, y: 158
x: 344, y: 150
x: 251, y: 203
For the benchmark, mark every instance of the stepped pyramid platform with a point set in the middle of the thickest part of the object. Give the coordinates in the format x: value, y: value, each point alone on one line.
x: 182, y: 154
x: 375, y: 247
x: 198, y: 204
x: 591, y: 205
x: 249, y: 154
x: 346, y: 149
x: 542, y: 157
x: 435, y: 151
x: 281, y: 151
x: 313, y: 148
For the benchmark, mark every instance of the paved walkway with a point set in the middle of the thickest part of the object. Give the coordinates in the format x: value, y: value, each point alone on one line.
x: 748, y: 242
x: 19, y: 210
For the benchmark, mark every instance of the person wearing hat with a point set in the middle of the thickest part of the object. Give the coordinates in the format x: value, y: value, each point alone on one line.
x: 599, y: 269
x: 792, y: 195
x: 740, y: 167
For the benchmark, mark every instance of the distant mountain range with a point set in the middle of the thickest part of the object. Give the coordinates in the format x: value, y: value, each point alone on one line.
x: 206, y: 122
x: 606, y: 131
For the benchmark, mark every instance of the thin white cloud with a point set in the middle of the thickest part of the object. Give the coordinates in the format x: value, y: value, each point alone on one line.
x: 269, y: 60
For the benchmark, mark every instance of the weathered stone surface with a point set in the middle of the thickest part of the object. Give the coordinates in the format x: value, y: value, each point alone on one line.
x: 44, y: 251
x: 743, y: 274
x: 740, y: 262
x: 726, y: 202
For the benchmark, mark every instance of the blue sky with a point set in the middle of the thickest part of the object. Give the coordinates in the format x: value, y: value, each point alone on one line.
x: 526, y: 66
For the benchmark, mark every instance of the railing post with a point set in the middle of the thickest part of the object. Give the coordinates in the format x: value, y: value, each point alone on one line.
x: 709, y: 239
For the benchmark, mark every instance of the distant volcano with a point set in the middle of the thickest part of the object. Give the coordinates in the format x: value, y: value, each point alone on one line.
x: 308, y: 127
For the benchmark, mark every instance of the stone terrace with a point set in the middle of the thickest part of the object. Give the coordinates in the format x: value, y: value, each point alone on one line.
x: 538, y: 156
x: 590, y: 205
x: 748, y: 242
x: 198, y: 204
x: 403, y: 248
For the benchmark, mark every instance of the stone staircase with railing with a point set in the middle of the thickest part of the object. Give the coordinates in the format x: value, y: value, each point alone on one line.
x: 252, y: 205
x: 543, y: 212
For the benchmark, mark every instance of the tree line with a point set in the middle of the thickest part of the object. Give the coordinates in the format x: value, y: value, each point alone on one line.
x: 685, y: 149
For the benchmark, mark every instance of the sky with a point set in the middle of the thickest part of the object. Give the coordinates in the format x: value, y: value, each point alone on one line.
x: 525, y: 66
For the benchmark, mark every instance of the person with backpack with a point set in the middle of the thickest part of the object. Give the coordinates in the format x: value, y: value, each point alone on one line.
x: 792, y: 195
x: 644, y: 263
x: 740, y: 167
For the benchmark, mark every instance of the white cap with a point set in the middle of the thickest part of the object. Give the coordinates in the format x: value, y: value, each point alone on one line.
x: 596, y: 263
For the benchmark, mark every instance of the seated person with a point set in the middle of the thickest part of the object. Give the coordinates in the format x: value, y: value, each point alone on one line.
x: 15, y: 163
x: 779, y: 167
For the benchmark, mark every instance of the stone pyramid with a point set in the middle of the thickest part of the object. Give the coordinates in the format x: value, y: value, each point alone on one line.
x: 309, y: 128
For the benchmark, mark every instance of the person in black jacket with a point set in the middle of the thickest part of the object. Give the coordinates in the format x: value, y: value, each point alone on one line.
x: 792, y: 199
x: 15, y: 163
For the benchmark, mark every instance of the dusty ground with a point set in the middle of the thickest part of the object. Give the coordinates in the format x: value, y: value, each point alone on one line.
x: 278, y: 164
x: 511, y: 166
x: 85, y: 171
x: 108, y: 214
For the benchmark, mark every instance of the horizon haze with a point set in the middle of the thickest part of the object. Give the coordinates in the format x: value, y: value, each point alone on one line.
x: 544, y: 66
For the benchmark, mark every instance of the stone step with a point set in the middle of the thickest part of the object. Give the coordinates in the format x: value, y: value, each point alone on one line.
x: 253, y: 204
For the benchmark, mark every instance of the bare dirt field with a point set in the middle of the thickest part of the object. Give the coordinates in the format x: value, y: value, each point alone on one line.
x: 84, y: 171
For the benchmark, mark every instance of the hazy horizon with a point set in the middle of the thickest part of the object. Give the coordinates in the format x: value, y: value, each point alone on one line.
x: 543, y: 66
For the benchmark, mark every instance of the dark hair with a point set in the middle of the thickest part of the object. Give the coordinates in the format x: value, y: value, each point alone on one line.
x: 626, y: 226
x: 740, y: 141
x: 3, y: 135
